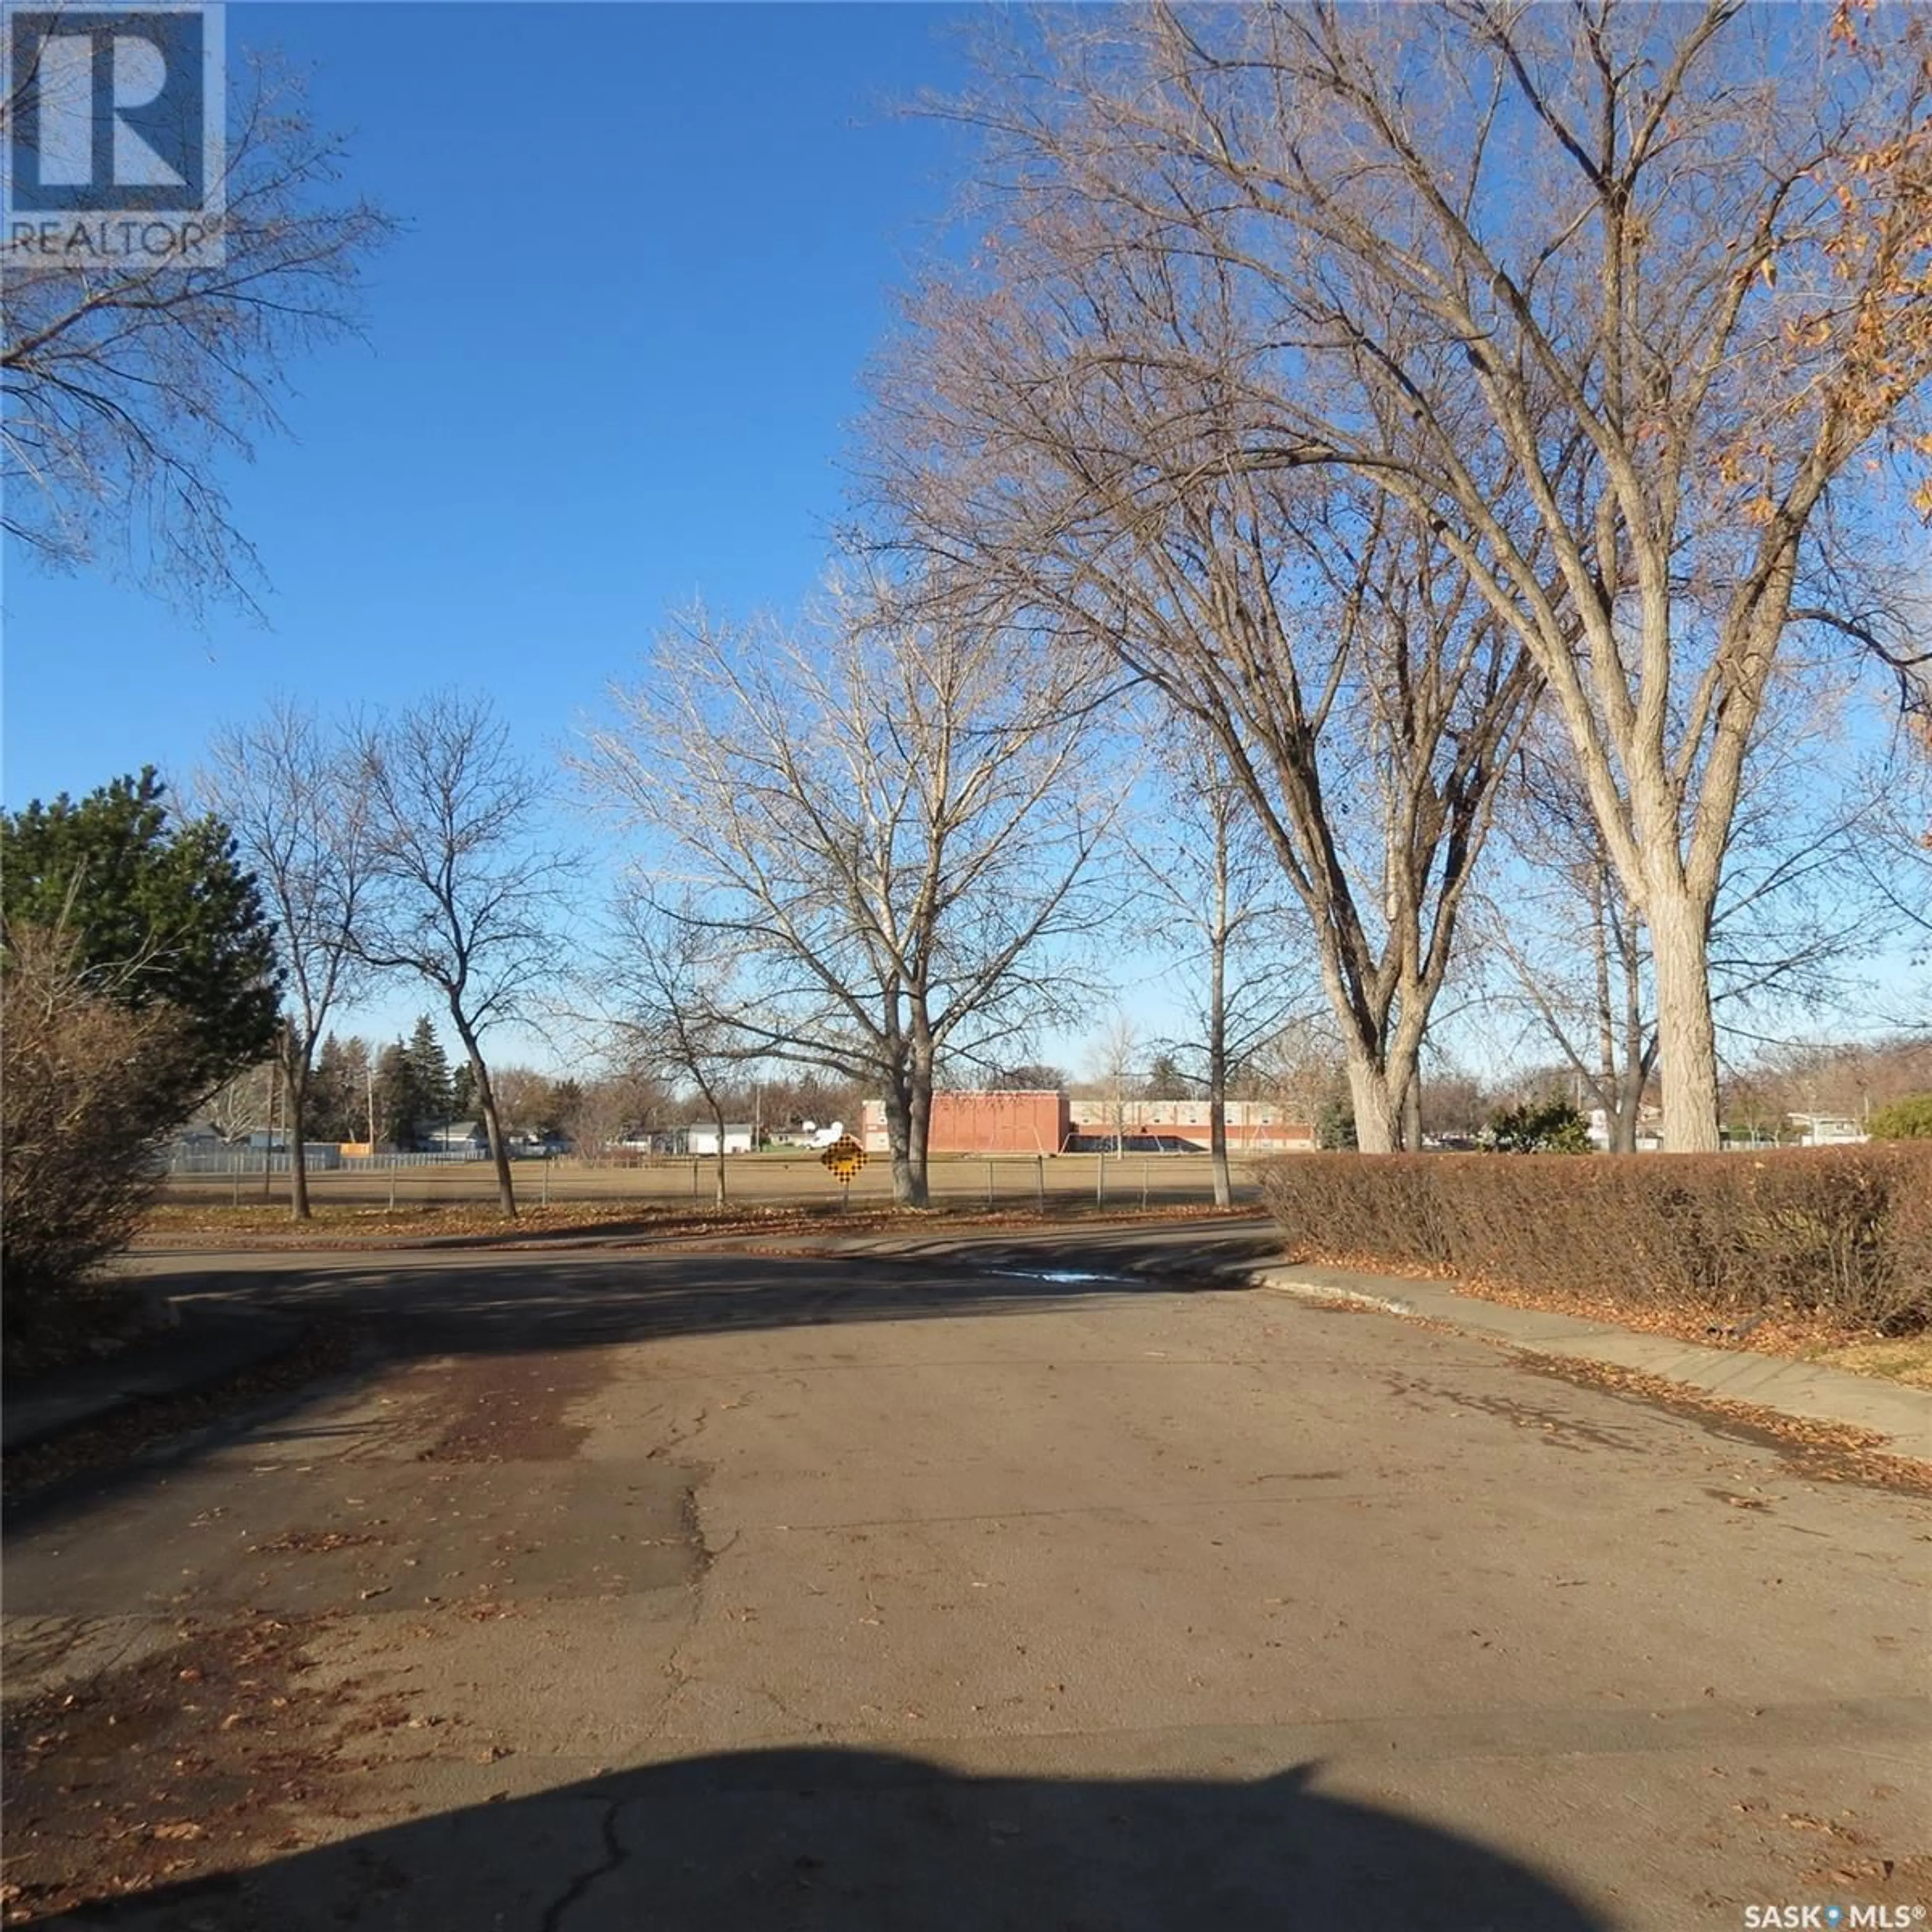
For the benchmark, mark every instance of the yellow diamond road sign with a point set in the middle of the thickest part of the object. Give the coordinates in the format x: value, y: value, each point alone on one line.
x: 843, y: 1157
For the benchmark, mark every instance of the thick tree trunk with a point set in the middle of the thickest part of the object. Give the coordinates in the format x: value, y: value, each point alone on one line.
x: 908, y: 1113
x: 919, y: 1127
x: 1686, y: 1037
x: 718, y: 1117
x: 1377, y: 1104
x: 486, y: 1096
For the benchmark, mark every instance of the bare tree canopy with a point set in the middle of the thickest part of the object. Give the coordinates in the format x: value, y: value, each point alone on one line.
x: 1320, y: 637
x: 466, y: 889
x: 1614, y: 298
x: 1558, y: 941
x: 289, y: 790
x: 1212, y: 884
x: 667, y: 989
x: 885, y: 822
x: 127, y: 389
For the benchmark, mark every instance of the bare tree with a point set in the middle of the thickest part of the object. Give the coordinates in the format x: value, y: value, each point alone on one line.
x: 240, y: 1105
x: 1573, y: 951
x: 522, y: 1093
x: 670, y: 981
x: 1209, y: 873
x: 1794, y: 912
x: 621, y: 1099
x: 289, y: 790
x: 1114, y: 1066
x: 1894, y: 857
x: 1364, y: 700
x: 1616, y: 298
x: 886, y: 822
x: 465, y: 888
x: 129, y: 390
x: 1301, y: 1068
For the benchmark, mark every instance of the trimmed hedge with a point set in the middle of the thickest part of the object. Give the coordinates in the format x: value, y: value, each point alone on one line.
x: 1844, y: 1233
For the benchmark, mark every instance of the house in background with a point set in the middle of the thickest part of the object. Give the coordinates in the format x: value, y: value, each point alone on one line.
x: 703, y: 1140
x: 1825, y: 1130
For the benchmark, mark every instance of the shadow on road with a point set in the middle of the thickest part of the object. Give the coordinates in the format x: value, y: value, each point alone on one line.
x: 855, y: 1840
x: 482, y: 1303
x: 503, y: 1304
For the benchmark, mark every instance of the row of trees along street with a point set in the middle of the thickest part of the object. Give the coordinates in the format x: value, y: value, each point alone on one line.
x: 407, y: 845
x: 1398, y: 517
x: 1364, y: 379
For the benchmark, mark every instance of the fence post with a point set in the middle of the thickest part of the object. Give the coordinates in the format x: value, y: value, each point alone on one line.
x: 989, y: 1183
x: 1040, y: 1180
x: 1144, y: 1181
x: 694, y: 1180
x: 392, y: 1181
x: 1100, y: 1181
x: 546, y: 1181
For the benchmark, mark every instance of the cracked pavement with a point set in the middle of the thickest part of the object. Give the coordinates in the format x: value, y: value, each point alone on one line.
x: 704, y: 1590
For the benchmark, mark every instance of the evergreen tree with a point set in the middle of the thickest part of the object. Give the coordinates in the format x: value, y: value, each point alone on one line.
x: 156, y: 908
x: 432, y: 1093
x: 561, y: 1105
x: 1166, y: 1082
x: 398, y: 1099
x: 463, y: 1093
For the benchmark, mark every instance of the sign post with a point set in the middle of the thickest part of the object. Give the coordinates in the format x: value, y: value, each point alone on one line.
x: 843, y: 1160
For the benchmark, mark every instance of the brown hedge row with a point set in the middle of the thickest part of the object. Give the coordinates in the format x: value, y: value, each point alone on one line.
x: 1840, y: 1233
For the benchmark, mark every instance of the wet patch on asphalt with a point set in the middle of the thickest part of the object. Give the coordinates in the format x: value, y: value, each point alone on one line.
x: 511, y: 1408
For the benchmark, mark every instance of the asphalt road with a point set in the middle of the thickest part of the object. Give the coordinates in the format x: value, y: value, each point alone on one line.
x: 709, y: 1591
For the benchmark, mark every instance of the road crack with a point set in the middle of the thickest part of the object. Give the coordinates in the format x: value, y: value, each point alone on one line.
x: 614, y: 1855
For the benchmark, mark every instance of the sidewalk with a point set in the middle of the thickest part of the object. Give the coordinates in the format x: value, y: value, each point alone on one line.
x: 208, y: 1344
x: 1809, y: 1391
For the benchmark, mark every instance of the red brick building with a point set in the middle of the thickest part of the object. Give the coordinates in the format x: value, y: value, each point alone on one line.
x: 1040, y: 1122
x: 1035, y: 1122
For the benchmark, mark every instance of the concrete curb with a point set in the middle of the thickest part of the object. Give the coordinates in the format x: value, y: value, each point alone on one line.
x: 1811, y: 1392
x: 1284, y: 1282
x: 1224, y: 1255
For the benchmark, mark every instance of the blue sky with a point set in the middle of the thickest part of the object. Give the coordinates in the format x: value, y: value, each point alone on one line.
x: 611, y: 364
x: 591, y: 387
